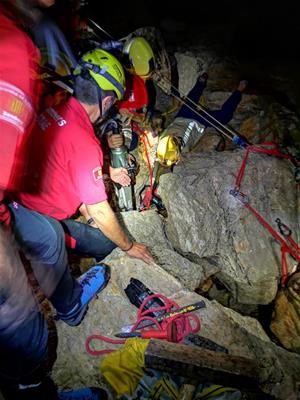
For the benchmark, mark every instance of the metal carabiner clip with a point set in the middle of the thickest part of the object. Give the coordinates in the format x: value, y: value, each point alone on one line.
x: 243, y: 198
x: 283, y: 229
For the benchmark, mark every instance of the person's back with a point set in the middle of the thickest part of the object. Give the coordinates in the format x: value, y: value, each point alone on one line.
x: 23, y: 329
x: 18, y: 53
x: 66, y: 153
x: 19, y: 93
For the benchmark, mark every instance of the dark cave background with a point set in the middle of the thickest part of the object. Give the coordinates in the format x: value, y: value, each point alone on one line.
x: 252, y: 30
x: 263, y: 36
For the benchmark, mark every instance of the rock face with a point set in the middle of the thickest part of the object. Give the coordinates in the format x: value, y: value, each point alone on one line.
x: 206, y: 222
x: 241, y: 335
x: 207, y: 233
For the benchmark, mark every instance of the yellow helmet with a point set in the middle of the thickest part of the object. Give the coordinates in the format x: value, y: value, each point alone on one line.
x: 168, y: 151
x: 106, y: 70
x: 139, y: 57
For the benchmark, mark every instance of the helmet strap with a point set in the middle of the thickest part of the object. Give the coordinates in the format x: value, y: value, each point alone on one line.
x: 103, y: 72
x: 100, y: 97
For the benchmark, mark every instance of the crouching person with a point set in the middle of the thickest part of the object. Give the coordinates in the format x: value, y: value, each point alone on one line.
x: 68, y: 162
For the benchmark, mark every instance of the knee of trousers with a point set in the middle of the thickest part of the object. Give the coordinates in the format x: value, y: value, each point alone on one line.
x: 49, y: 246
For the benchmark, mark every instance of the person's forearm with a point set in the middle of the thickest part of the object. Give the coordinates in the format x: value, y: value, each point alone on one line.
x: 83, y: 211
x: 107, y: 222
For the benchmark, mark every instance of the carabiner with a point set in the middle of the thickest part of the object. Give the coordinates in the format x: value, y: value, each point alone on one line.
x: 283, y: 229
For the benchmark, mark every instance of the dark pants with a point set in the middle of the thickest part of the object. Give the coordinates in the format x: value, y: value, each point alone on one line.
x: 43, y: 241
x: 23, y: 330
x: 85, y: 240
x: 45, y: 390
x: 223, y: 115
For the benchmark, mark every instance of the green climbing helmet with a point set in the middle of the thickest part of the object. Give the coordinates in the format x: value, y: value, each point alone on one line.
x: 106, y: 70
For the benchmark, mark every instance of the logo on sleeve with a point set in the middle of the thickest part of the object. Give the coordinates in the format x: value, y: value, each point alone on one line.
x: 15, y: 107
x: 97, y: 173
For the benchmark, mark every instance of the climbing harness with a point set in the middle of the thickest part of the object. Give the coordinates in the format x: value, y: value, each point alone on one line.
x: 146, y: 202
x: 288, y: 245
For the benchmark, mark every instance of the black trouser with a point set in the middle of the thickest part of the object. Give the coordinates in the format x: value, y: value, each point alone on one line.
x: 37, y: 385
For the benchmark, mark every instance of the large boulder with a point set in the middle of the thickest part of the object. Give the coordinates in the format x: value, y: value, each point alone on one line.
x: 206, y: 223
x: 241, y: 335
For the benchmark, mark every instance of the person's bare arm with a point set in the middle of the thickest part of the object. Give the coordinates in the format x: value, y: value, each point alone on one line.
x: 106, y: 221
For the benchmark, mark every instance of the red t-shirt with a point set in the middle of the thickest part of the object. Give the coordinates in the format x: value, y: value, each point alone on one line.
x: 136, y: 94
x: 66, y: 167
x: 19, y: 93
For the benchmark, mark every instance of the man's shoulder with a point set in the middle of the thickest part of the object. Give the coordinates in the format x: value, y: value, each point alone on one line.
x: 12, y: 36
x: 62, y: 115
x: 75, y: 113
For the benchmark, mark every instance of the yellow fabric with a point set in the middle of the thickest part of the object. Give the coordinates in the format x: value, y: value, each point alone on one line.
x: 123, y: 369
x: 202, y: 101
x: 163, y: 387
x: 64, y: 64
x: 211, y: 391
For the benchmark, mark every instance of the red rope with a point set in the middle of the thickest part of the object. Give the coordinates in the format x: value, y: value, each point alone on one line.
x: 184, y: 323
x: 98, y: 353
x: 273, y: 150
x: 293, y: 250
x: 285, y: 248
x: 149, y: 193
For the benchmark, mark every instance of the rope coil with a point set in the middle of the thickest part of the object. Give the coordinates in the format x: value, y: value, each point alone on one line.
x: 174, y: 328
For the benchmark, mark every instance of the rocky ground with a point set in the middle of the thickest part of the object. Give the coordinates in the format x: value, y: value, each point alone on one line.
x: 210, y: 247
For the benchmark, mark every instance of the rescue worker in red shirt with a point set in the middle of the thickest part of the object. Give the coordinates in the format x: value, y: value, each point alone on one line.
x: 19, y: 91
x: 138, y: 60
x: 23, y: 330
x: 68, y: 163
